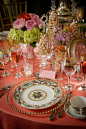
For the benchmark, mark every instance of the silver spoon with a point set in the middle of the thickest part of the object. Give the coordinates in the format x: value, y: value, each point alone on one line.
x: 52, y: 116
x: 59, y: 114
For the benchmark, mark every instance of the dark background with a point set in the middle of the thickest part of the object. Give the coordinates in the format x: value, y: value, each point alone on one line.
x: 41, y: 7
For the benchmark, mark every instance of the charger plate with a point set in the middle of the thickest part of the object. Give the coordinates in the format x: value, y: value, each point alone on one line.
x: 15, y: 106
x: 69, y: 110
x: 37, y: 94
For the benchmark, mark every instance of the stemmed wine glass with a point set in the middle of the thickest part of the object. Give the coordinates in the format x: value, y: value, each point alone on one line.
x: 4, y: 60
x: 80, y: 48
x: 83, y: 71
x: 69, y: 67
x: 16, y: 58
x: 60, y: 54
x: 9, y: 47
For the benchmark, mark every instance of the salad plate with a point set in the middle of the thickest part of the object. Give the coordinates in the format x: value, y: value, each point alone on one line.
x: 69, y: 110
x: 37, y: 94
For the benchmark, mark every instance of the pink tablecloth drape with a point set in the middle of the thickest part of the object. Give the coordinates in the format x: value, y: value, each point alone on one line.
x: 11, y: 119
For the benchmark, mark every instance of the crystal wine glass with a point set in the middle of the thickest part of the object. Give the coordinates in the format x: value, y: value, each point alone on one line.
x: 83, y: 71
x: 80, y: 48
x: 69, y: 67
x: 16, y: 58
x: 60, y: 54
x: 4, y: 60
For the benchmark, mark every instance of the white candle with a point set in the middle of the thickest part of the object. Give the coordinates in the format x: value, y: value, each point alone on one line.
x: 28, y: 73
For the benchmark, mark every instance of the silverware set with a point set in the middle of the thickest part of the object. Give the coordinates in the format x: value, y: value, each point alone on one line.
x: 5, y: 88
x: 59, y: 114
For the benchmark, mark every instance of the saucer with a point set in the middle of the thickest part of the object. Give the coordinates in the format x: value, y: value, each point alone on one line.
x: 69, y: 110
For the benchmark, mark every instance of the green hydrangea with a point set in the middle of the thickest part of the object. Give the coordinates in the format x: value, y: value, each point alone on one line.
x: 21, y: 36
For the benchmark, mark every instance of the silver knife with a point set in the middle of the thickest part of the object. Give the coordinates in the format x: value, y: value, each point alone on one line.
x: 52, y: 116
x: 59, y: 114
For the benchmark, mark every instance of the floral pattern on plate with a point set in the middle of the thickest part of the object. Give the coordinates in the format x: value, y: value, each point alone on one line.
x: 37, y: 94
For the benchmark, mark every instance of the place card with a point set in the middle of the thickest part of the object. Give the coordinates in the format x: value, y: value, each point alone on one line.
x: 47, y: 74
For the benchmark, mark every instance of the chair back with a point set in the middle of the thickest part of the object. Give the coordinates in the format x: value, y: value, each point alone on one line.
x: 9, y: 13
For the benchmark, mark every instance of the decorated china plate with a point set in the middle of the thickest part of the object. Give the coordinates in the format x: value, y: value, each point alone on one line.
x: 3, y: 34
x: 37, y: 94
x: 77, y: 46
x: 69, y: 110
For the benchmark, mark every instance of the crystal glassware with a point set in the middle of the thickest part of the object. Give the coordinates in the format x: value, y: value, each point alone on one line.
x: 60, y: 53
x: 4, y: 60
x: 15, y: 55
x: 83, y: 71
x: 69, y: 67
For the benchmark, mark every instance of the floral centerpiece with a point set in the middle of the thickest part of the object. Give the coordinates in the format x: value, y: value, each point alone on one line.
x: 61, y: 36
x: 26, y: 29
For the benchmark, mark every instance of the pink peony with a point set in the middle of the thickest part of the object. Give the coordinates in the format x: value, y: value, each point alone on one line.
x: 36, y: 18
x: 30, y: 24
x: 19, y: 23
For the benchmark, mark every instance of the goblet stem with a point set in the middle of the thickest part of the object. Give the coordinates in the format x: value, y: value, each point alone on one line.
x: 16, y: 68
x: 84, y: 86
x: 69, y: 81
x: 61, y: 71
x: 4, y: 68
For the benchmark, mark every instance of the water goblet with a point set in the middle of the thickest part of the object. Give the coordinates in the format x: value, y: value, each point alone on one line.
x: 69, y: 67
x: 4, y: 60
x: 83, y: 71
x: 80, y: 48
x: 16, y: 58
x: 60, y: 54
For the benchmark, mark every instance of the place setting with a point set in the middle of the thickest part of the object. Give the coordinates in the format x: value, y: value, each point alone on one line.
x: 36, y: 96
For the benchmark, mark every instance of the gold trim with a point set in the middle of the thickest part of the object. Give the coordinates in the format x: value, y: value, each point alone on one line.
x: 73, y: 46
x: 38, y: 113
x: 37, y: 99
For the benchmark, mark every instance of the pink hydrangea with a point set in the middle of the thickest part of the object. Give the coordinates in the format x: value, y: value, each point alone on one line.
x: 30, y: 24
x: 19, y: 23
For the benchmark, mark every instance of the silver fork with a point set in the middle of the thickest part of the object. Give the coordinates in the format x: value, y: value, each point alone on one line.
x: 6, y: 87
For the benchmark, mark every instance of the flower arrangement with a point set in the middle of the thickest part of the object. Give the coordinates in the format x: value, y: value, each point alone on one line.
x: 26, y: 29
x: 61, y: 37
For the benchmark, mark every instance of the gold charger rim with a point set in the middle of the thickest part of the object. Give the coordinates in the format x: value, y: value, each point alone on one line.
x: 35, y: 113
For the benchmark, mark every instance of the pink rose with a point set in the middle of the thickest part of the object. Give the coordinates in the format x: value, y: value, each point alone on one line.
x: 30, y: 24
x: 31, y: 15
x: 19, y: 23
x: 37, y: 19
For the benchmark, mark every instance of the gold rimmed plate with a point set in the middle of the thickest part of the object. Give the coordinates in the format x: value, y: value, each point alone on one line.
x: 37, y: 94
x: 77, y: 46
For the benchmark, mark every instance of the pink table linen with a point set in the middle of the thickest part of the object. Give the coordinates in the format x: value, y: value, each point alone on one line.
x: 11, y: 119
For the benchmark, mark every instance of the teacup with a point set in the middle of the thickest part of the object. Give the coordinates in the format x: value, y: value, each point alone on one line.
x: 78, y: 104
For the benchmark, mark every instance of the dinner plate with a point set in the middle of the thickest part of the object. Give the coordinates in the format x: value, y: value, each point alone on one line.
x: 3, y: 34
x: 76, y: 46
x: 69, y: 110
x: 37, y: 94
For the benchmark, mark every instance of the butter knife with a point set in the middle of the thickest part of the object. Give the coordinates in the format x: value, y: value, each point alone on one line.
x: 52, y: 116
x: 59, y: 114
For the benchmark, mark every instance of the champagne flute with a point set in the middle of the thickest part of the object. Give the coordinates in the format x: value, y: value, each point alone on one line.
x: 69, y: 67
x: 16, y: 58
x: 4, y: 60
x: 83, y: 71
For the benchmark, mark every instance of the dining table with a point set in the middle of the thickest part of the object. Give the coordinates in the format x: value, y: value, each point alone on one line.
x: 14, y: 116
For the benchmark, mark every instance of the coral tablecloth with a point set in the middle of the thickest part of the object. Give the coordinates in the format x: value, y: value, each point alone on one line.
x: 11, y: 119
